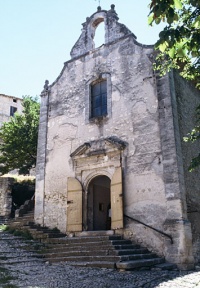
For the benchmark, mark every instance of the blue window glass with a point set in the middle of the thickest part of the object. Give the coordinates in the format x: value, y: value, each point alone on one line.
x: 99, y: 99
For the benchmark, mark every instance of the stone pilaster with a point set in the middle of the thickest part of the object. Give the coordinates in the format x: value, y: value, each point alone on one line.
x: 41, y: 157
x: 176, y: 224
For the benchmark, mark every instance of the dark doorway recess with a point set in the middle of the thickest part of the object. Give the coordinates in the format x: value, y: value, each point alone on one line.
x: 99, y: 204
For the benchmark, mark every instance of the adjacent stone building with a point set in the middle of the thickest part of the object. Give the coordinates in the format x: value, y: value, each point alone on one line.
x: 110, y: 150
x: 8, y: 106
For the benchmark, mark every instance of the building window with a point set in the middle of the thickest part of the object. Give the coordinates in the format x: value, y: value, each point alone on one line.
x: 12, y: 110
x: 15, y: 100
x: 99, y: 99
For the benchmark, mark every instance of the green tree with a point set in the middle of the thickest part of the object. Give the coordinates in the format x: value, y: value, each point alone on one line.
x: 193, y: 136
x: 179, y: 46
x: 18, y: 147
x: 179, y: 43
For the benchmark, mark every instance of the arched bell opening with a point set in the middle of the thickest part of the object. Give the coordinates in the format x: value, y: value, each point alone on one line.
x: 99, y: 204
x: 99, y: 32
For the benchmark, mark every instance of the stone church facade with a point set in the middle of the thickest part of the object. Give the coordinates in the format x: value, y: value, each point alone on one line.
x: 110, y: 150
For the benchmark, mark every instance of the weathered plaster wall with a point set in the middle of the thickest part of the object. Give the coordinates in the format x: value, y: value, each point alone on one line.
x: 134, y: 119
x: 188, y: 98
x: 5, y: 196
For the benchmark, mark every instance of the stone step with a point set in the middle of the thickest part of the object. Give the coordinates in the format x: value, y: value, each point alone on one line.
x: 101, y: 249
x: 18, y: 223
x: 134, y: 251
x: 37, y: 233
x: 94, y: 233
x: 121, y: 242
x: 135, y: 264
x: 59, y: 254
x: 94, y: 246
x: 81, y: 251
x: 106, y: 248
x: 165, y: 266
x: 109, y: 258
x: 13, y: 255
x: 77, y: 246
x: 6, y: 238
x: 40, y: 235
x: 95, y: 238
x: 93, y: 264
x: 22, y: 220
x: 126, y: 246
x: 31, y: 212
x: 76, y: 254
x: 27, y: 215
x: 42, y: 230
x: 92, y: 240
x: 131, y: 257
x: 3, y: 220
x: 21, y: 260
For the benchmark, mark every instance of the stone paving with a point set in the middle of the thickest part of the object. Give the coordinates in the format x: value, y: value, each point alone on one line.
x: 20, y: 266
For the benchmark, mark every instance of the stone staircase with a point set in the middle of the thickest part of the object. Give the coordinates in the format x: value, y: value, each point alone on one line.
x: 3, y: 220
x: 21, y: 222
x: 101, y: 249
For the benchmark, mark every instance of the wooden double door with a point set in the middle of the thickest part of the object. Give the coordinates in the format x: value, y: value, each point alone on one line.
x: 100, y: 208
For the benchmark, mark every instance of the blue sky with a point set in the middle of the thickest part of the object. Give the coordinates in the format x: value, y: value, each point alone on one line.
x: 37, y: 36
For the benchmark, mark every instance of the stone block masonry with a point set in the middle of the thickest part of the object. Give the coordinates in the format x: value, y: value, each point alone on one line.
x: 5, y: 196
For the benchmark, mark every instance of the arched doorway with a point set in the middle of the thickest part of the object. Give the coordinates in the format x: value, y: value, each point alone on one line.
x: 98, y: 217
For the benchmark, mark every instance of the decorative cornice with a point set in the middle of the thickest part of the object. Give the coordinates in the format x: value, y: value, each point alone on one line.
x: 98, y: 147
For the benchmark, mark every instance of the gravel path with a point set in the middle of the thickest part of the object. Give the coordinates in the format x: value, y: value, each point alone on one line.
x: 21, y: 267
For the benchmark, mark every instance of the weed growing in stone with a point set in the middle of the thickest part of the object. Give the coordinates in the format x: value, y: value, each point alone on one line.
x: 3, y: 227
x: 3, y: 258
x: 23, y: 233
x: 5, y: 278
x: 10, y: 286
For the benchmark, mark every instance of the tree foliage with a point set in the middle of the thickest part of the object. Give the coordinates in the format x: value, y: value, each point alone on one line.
x: 179, y: 43
x: 18, y: 147
x: 179, y: 46
x: 193, y: 136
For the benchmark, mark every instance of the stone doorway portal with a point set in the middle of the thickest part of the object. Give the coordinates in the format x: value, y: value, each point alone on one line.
x: 98, y: 216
